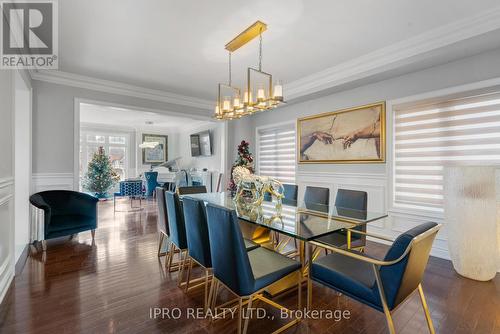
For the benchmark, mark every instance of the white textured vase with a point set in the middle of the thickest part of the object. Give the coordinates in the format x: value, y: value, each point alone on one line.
x: 470, y: 212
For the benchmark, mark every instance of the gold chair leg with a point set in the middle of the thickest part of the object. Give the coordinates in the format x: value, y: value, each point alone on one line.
x: 206, y: 290
x: 188, y: 270
x: 210, y: 294
x: 381, y: 292
x: 426, y: 309
x: 215, y: 291
x: 182, y: 260
x: 240, y: 313
x: 309, y: 292
x: 162, y: 238
x: 299, y: 291
x: 247, y: 318
x: 170, y: 256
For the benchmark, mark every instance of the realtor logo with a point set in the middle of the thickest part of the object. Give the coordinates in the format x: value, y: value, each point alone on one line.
x: 29, y: 35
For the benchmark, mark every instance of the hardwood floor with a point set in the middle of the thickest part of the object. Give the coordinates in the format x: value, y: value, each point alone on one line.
x: 109, y: 287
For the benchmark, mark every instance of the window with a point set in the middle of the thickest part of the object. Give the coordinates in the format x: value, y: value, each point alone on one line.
x: 276, y: 152
x: 116, y: 145
x: 464, y: 131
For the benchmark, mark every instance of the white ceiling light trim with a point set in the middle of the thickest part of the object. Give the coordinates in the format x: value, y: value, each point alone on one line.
x: 382, y: 59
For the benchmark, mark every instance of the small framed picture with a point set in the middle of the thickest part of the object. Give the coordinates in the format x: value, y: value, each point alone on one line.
x: 157, y: 154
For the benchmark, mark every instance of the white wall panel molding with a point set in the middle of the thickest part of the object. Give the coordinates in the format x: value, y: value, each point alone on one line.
x: 52, y: 181
x: 6, y: 217
x: 6, y: 276
x: 376, y: 185
x: 6, y: 182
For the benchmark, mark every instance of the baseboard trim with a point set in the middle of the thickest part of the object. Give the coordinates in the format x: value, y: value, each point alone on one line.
x: 21, y: 262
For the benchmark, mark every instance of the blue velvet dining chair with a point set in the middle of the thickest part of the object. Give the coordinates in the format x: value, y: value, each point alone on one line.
x: 177, y: 229
x: 131, y: 189
x: 381, y: 284
x: 317, y: 195
x: 290, y: 192
x: 161, y: 220
x: 245, y: 274
x: 151, y: 182
x: 66, y: 213
x: 198, y: 241
x: 356, y: 202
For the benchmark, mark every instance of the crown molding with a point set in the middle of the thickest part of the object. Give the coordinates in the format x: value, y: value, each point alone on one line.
x: 113, y: 87
x: 393, y: 56
x: 389, y: 57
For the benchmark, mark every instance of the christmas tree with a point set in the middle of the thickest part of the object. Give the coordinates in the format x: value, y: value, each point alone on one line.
x: 100, y: 176
x: 244, y: 159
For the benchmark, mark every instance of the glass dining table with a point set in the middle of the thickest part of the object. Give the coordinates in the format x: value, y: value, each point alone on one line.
x: 299, y: 221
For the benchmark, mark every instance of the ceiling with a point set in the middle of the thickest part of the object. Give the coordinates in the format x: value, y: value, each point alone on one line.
x: 116, y: 117
x: 178, y: 46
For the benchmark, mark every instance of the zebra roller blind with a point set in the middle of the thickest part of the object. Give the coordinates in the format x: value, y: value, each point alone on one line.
x: 276, y: 152
x: 460, y: 131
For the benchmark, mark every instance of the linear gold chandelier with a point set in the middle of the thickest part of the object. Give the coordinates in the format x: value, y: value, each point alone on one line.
x: 259, y: 95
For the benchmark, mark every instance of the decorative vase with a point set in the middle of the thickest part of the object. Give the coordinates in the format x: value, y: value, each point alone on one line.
x: 100, y: 195
x: 470, y: 212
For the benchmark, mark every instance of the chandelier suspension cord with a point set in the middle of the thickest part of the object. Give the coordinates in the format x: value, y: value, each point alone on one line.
x: 229, y: 69
x: 260, y: 50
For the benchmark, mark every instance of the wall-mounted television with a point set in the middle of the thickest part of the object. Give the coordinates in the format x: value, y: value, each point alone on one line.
x: 201, y: 144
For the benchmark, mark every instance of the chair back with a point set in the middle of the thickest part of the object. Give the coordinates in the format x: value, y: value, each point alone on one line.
x: 317, y: 195
x: 162, y: 220
x: 289, y: 194
x: 191, y: 190
x: 176, y: 224
x: 401, y: 279
x: 65, y: 202
x: 131, y: 188
x: 230, y: 261
x: 352, y: 199
x: 197, y: 231
x: 151, y: 182
x: 290, y: 191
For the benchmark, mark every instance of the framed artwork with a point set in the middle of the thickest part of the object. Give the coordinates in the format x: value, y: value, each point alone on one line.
x: 354, y: 135
x: 157, y: 154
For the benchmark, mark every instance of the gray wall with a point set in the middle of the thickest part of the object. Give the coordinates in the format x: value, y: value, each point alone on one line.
x: 467, y: 70
x: 238, y: 130
x: 53, y: 121
x: 213, y: 162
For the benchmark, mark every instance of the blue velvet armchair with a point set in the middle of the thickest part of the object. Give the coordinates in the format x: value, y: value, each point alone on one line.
x: 66, y: 212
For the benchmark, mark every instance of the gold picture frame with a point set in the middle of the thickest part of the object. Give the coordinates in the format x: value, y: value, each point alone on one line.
x: 347, y: 136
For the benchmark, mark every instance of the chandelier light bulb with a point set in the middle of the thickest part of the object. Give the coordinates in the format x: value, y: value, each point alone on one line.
x: 278, y: 91
x: 247, y: 99
x: 236, y: 101
x: 226, y: 104
x: 261, y: 95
